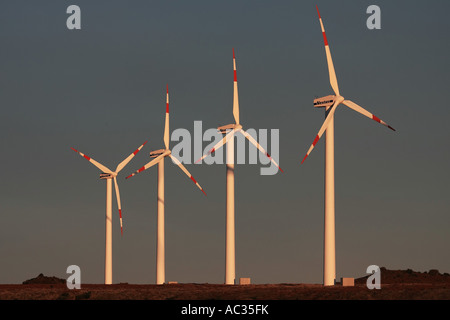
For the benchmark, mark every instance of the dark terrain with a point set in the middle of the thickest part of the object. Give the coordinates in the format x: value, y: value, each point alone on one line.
x: 395, y: 285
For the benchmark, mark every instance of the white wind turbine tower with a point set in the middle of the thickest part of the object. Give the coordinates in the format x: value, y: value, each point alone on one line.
x: 230, y: 130
x: 110, y: 175
x: 330, y: 103
x: 159, y: 156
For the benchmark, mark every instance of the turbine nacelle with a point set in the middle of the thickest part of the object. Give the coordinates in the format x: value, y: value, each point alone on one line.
x: 107, y: 175
x: 228, y: 127
x: 156, y: 153
x: 326, y: 101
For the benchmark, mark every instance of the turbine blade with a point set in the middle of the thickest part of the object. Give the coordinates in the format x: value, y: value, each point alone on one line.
x: 128, y: 159
x: 332, y: 73
x: 218, y: 145
x: 322, y: 129
x: 95, y: 163
x: 187, y: 172
x: 235, y: 93
x: 118, y: 204
x: 363, y: 111
x: 148, y: 165
x: 166, y: 127
x: 257, y: 145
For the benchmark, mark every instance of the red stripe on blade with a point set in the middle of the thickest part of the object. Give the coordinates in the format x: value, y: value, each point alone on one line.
x: 87, y: 158
x: 167, y: 108
x: 192, y: 178
x: 318, y: 11
x: 139, y: 149
x: 325, y: 38
x: 376, y: 118
x: 315, y: 140
x: 141, y: 169
x: 235, y: 76
x: 304, y: 158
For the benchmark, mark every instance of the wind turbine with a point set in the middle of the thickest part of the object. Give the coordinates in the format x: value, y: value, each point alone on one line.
x: 159, y: 156
x: 330, y: 103
x: 230, y: 130
x: 110, y: 175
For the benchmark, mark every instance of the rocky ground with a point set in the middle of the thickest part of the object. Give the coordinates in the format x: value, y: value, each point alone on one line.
x: 395, y: 285
x: 189, y: 291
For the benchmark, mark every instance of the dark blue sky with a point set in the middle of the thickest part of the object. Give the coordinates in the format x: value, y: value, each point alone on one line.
x: 101, y: 90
